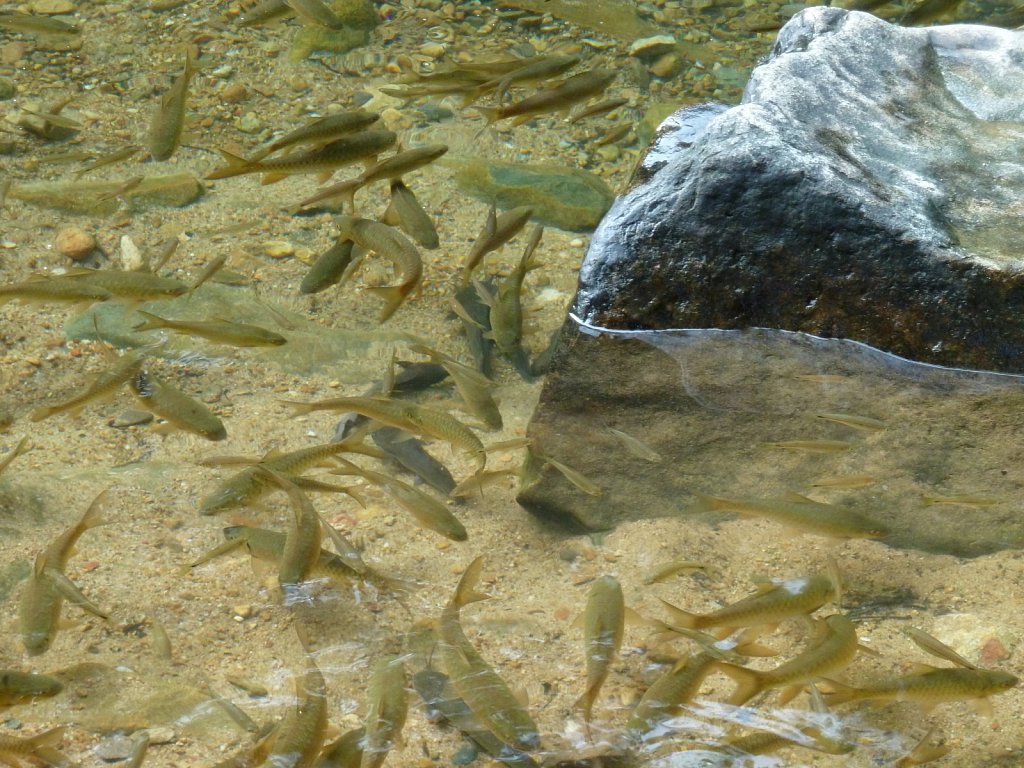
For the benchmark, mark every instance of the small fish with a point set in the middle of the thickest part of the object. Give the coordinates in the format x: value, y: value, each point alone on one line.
x: 664, y: 571
x: 497, y: 231
x: 966, y: 500
x: 603, y: 623
x: 387, y: 707
x: 41, y: 746
x: 264, y: 12
x: 929, y: 687
x: 55, y: 119
x: 47, y: 587
x: 164, y: 253
x: 845, y: 481
x: 302, y: 540
x: 321, y: 131
x: 476, y: 318
x: 475, y: 484
x: 485, y: 693
x: 636, y: 447
x: 575, y: 477
x: 168, y: 118
x: 923, y: 752
x: 110, y: 158
x: 534, y: 69
x: 852, y: 420
x: 618, y: 133
x: 667, y: 695
x: 473, y: 387
x: 427, y: 511
x: 598, y: 109
x: 405, y: 212
x: 773, y: 602
x: 161, y: 640
x: 136, y: 286
x: 346, y: 751
x: 176, y: 407
x: 54, y: 289
x: 40, y: 25
x: 812, y: 446
x: 393, y: 167
x: 831, y: 649
x: 393, y: 246
x: 330, y: 267
x: 928, y: 11
x: 302, y: 732
x: 321, y: 160
x: 562, y: 96
x: 802, y: 514
x: 140, y: 746
x: 105, y: 385
x: 212, y: 268
x: 807, y: 736
x: 220, y: 331
x: 409, y: 452
x: 417, y: 419
x: 121, y: 189
x: 14, y: 453
x: 22, y: 687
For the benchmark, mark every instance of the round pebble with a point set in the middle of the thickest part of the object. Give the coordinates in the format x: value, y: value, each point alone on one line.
x: 75, y: 243
x: 52, y: 7
x: 234, y: 93
x: 279, y: 249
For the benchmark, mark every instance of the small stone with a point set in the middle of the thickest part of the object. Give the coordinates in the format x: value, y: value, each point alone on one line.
x: 162, y: 735
x: 131, y: 257
x: 278, y: 249
x: 652, y: 47
x: 250, y: 123
x: 7, y: 88
x: 993, y: 651
x: 465, y: 754
x: 242, y: 612
x: 395, y: 120
x: 132, y: 418
x: 667, y: 66
x: 234, y: 93
x: 114, y: 748
x: 433, y: 50
x: 75, y: 243
x: 12, y: 53
x: 51, y: 7
x: 223, y: 71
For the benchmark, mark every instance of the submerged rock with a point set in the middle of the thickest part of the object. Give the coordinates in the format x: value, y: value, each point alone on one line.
x: 567, y: 198
x: 868, y: 187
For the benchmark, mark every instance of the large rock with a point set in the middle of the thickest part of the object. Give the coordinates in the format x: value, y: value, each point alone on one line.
x: 868, y: 187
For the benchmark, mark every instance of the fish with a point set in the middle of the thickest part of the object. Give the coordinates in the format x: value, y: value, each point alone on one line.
x: 405, y: 212
x: 54, y: 289
x: 47, y: 587
x: 831, y: 649
x: 301, y: 549
x: 773, y: 602
x: 929, y: 687
x: 168, y: 118
x: 110, y: 158
x: 246, y: 487
x: 219, y: 331
x: 635, y: 446
x: 496, y: 231
x: 430, y: 513
x: 409, y: 453
x: 321, y: 160
x: 393, y: 167
x: 140, y: 746
x: 474, y: 388
x: 176, y: 407
x: 41, y: 746
x: 387, y: 707
x: 121, y: 189
x: 598, y: 109
x: 812, y: 446
x: 852, y: 420
x: 485, y: 693
x: 164, y: 252
x: 263, y: 12
x: 106, y: 384
x: 807, y: 736
x: 618, y: 133
x: 533, y: 69
x: 393, y: 246
x: 845, y: 481
x: 330, y: 267
x: 417, y: 419
x: 662, y: 572
x: 964, y: 500
x: 506, y: 309
x: 22, y: 687
x: 923, y: 752
x: 14, y: 453
x: 37, y: 24
x: 212, y: 268
x: 801, y: 514
x: 575, y: 477
x: 321, y: 131
x: 475, y: 484
x: 603, y: 624
x: 435, y: 688
x: 302, y: 732
x: 928, y: 11
x: 136, y: 286
x: 475, y: 317
x: 667, y: 695
x: 346, y: 751
x: 560, y: 97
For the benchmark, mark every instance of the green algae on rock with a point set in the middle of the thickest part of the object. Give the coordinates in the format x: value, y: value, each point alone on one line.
x: 566, y: 198
x: 357, y: 17
x: 615, y: 18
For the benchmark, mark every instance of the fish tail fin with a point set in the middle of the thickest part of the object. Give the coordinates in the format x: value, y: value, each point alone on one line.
x: 151, y: 321
x: 298, y: 409
x: 393, y: 296
x: 585, y: 703
x: 236, y: 166
x: 50, y: 738
x: 709, y: 503
x: 491, y: 114
x: 841, y: 693
x: 44, y: 413
x: 749, y: 683
x: 682, y: 618
x: 93, y: 516
x: 465, y: 592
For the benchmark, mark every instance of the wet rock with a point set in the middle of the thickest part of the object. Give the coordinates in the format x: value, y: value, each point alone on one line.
x: 74, y: 243
x: 567, y: 198
x: 868, y: 187
x: 101, y: 197
x: 7, y: 88
x: 652, y: 47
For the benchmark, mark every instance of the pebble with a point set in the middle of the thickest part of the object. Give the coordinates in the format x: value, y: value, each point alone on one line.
x: 162, y: 735
x: 75, y: 243
x: 234, y: 93
x: 12, y: 53
x: 132, y: 418
x: 250, y: 123
x: 131, y: 257
x: 650, y: 47
x: 395, y: 120
x: 667, y: 66
x: 278, y: 249
x: 114, y: 748
x: 52, y: 7
x: 7, y: 89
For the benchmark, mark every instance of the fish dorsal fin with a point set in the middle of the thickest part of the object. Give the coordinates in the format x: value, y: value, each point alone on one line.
x: 868, y: 651
x: 798, y: 498
x: 273, y: 453
x: 937, y: 648
x: 920, y: 668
